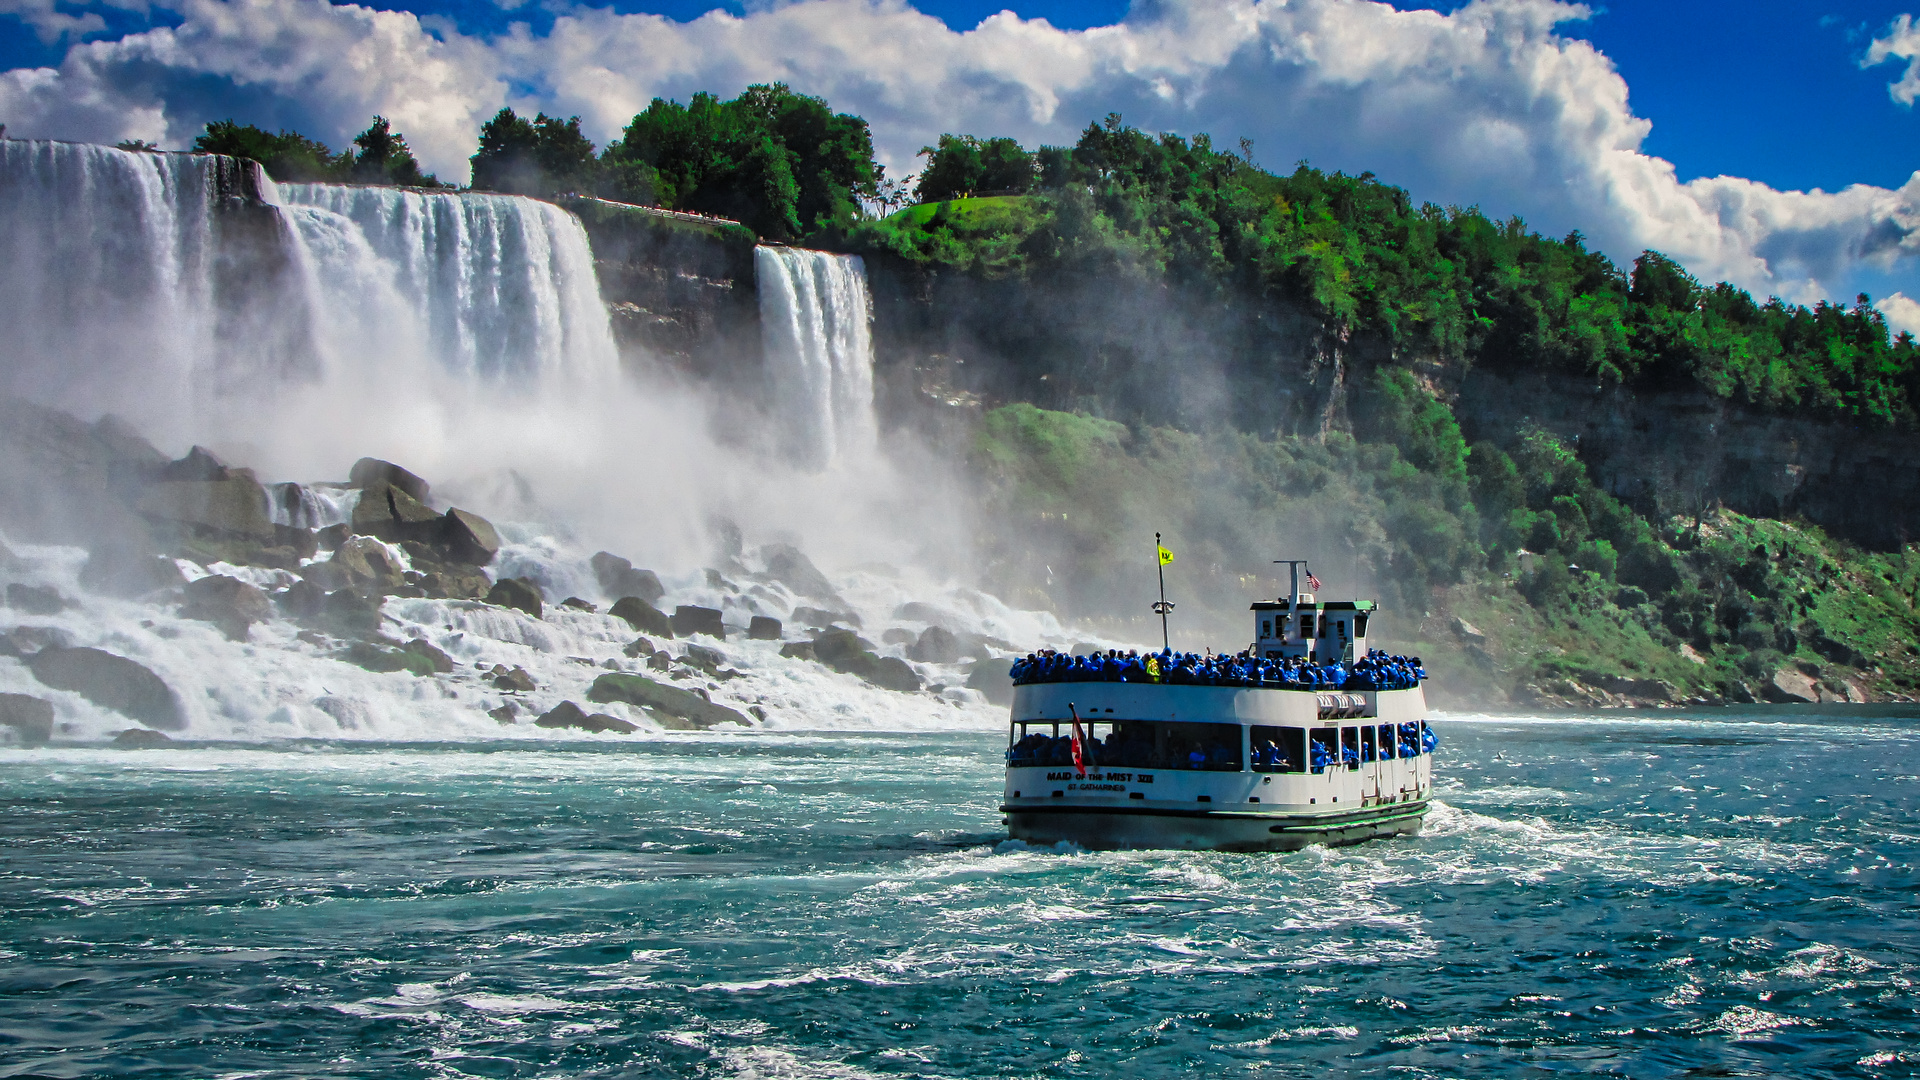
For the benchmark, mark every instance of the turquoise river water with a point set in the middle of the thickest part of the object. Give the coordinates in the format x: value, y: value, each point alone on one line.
x: 1724, y: 894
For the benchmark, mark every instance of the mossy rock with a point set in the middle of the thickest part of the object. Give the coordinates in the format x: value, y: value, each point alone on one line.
x: 685, y: 706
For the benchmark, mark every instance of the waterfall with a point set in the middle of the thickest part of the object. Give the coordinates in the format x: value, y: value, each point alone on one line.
x: 106, y: 271
x: 487, y: 285
x: 816, y: 325
x: 187, y: 290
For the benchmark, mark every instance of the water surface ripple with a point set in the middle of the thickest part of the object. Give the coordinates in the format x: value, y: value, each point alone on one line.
x: 1727, y: 894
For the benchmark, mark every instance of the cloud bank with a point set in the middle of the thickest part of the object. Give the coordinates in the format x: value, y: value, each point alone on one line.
x: 1490, y: 105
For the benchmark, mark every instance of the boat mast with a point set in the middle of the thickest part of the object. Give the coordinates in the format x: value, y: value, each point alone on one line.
x: 1294, y: 567
x: 1161, y: 608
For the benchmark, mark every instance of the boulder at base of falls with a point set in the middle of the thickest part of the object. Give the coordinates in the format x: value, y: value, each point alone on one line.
x: 790, y: 566
x: 514, y: 680
x: 31, y: 717
x: 35, y: 599
x: 362, y: 564
x: 301, y: 600
x: 842, y: 650
x: 349, y: 612
x: 467, y: 538
x: 639, y: 647
x: 200, y: 464
x: 846, y: 651
x: 229, y: 603
x: 393, y: 515
x: 120, y: 571
x: 994, y: 679
x: 111, y: 682
x: 568, y: 715
x: 673, y: 707
x: 27, y: 640
x: 520, y: 593
x: 1791, y: 686
x: 642, y: 616
x: 375, y: 656
x: 619, y: 578
x: 435, y: 657
x: 820, y: 619
x: 227, y: 508
x: 893, y: 673
x: 764, y: 628
x: 937, y: 645
x: 374, y: 474
x: 707, y: 660
x: 574, y: 603
x: 139, y: 738
x: 691, y: 619
x: 798, y: 650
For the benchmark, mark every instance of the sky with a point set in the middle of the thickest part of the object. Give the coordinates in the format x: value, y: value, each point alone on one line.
x: 1768, y: 143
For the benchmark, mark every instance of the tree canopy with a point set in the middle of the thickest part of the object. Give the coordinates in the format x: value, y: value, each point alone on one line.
x: 291, y: 157
x: 1418, y: 278
x: 963, y: 165
x: 542, y: 156
x: 785, y: 164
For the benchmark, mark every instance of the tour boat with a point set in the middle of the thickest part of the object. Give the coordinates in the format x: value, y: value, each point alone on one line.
x: 1307, y: 737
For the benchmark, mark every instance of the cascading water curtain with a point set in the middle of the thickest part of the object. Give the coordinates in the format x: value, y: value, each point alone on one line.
x: 106, y: 262
x: 816, y: 324
x: 487, y: 286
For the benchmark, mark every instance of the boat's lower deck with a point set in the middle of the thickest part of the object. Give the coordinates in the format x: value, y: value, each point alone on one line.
x: 1116, y: 827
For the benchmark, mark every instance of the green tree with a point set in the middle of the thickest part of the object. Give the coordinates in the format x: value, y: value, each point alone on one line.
x: 385, y: 158
x: 288, y: 156
x: 962, y: 164
x: 782, y: 163
x: 542, y: 156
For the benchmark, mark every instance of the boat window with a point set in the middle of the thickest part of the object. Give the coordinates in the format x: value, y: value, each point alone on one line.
x: 1350, y: 747
x: 1323, y: 748
x: 1266, y: 627
x: 1306, y: 625
x: 1386, y: 743
x: 1279, y: 749
x: 1127, y: 744
x: 1360, y: 625
x: 1368, y: 743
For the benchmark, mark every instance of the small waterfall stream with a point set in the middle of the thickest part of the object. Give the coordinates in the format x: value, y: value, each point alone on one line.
x: 816, y: 323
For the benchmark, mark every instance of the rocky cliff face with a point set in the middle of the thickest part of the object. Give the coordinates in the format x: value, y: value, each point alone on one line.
x: 679, y: 289
x: 1110, y: 344
x: 948, y: 344
x: 1677, y: 452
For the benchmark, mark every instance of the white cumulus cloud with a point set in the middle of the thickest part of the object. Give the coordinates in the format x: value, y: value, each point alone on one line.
x: 1489, y: 105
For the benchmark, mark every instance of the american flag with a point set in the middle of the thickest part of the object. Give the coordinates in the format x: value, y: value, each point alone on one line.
x: 1313, y: 582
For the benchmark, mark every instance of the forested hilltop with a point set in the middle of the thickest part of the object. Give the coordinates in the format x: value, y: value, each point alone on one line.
x: 1569, y: 480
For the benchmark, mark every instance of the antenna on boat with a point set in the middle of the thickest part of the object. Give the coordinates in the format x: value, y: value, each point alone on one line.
x: 1162, y: 557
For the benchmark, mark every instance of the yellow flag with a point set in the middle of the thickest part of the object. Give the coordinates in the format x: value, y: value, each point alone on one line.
x: 1166, y: 557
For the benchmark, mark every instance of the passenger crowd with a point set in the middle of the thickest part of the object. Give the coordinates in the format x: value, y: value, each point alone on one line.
x: 1374, y: 671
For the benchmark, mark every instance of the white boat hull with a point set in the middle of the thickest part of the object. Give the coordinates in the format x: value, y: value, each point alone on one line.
x: 1124, y: 805
x: 1102, y: 828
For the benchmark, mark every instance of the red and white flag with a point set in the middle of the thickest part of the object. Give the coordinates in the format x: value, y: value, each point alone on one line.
x: 1313, y: 582
x: 1079, y: 744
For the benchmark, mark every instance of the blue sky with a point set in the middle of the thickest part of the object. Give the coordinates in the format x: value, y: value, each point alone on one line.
x: 1705, y: 138
x: 1764, y: 89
